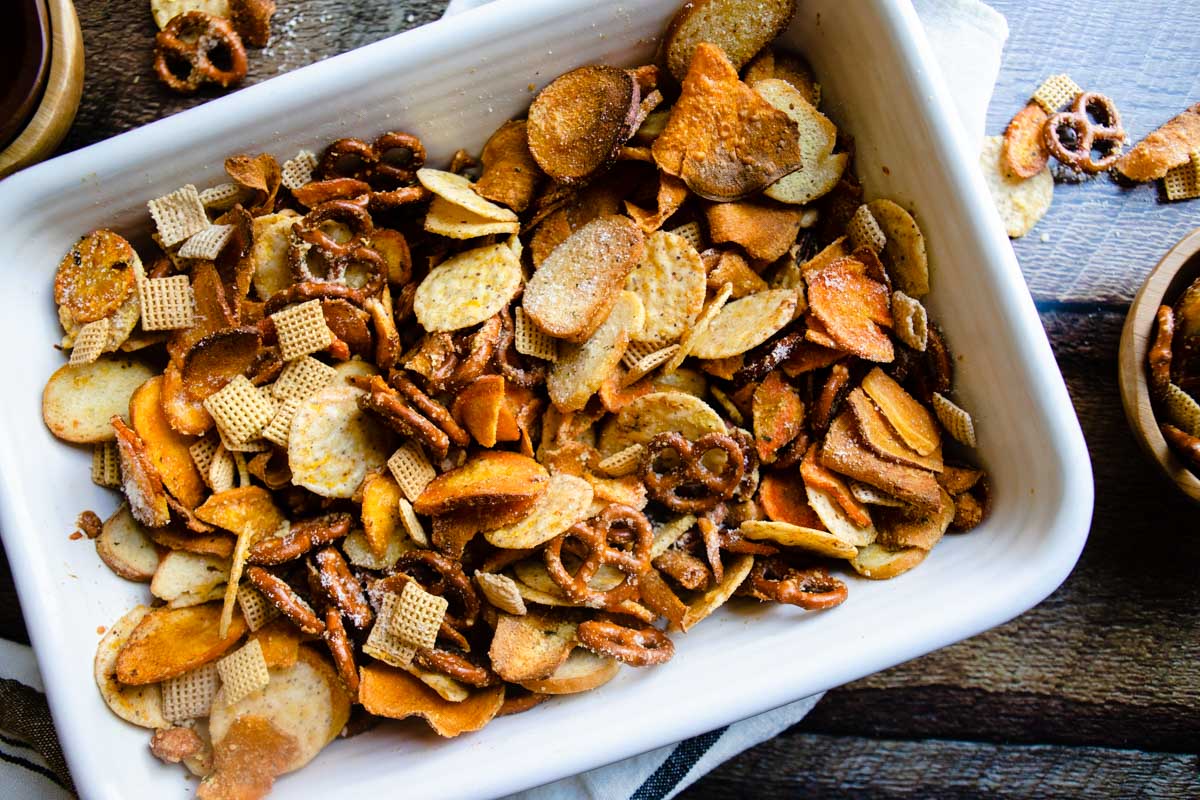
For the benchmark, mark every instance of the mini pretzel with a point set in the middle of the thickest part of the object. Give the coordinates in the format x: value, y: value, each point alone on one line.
x: 1072, y: 136
x: 1159, y: 358
x: 189, y: 38
x: 456, y: 666
x: 637, y: 647
x: 300, y: 538
x: 484, y: 344
x: 389, y: 181
x: 342, y: 588
x: 619, y: 524
x: 812, y: 589
x: 284, y: 597
x: 701, y: 488
x: 339, y: 256
x: 432, y: 409
x: 341, y: 649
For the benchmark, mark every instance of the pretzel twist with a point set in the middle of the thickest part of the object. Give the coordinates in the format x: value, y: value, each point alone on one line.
x: 388, y: 180
x: 812, y: 588
x: 457, y: 666
x: 621, y: 525
x: 1073, y: 137
x: 690, y: 484
x: 637, y: 647
x: 190, y: 38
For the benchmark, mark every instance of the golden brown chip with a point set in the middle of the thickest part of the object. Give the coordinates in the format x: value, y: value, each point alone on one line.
x: 725, y: 24
x: 334, y: 443
x: 655, y: 413
x: 910, y: 419
x: 95, y: 277
x: 1168, y: 146
x: 671, y: 194
x: 246, y: 509
x: 1024, y: 152
x: 381, y: 519
x: 582, y: 369
x: 565, y: 501
x: 216, y: 359
x: 1020, y: 202
x: 80, y: 399
x: 491, y: 478
x: 778, y: 416
x: 730, y: 267
x: 823, y: 543
x: 783, y: 498
x: 904, y: 252
x: 735, y: 572
x: 479, y: 408
x: 510, y: 175
x: 843, y: 453
x: 141, y: 705
x: 140, y: 480
x: 170, y: 642
x: 764, y: 230
x: 900, y: 528
x: 880, y: 564
x: 819, y: 479
x: 670, y: 281
x: 389, y: 692
x: 723, y: 139
x: 468, y: 289
x: 531, y: 646
x: 875, y: 431
x: 581, y: 672
x: 853, y: 308
x: 168, y: 450
x: 822, y: 168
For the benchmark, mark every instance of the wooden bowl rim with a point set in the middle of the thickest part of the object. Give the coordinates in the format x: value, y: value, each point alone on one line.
x: 1131, y: 360
x: 25, y: 92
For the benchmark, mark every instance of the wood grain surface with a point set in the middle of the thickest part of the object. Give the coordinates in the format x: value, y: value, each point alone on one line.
x: 1096, y: 692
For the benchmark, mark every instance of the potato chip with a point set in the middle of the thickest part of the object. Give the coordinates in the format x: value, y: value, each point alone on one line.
x: 853, y: 309
x: 301, y: 329
x: 672, y: 192
x: 468, y: 289
x: 501, y: 592
x: 565, y: 502
x: 531, y: 646
x: 510, y: 175
x: 582, y: 368
x: 670, y: 281
x: 817, y: 477
x: 843, y: 453
x: 190, y: 696
x: 901, y: 527
x: 736, y: 571
x: 764, y: 230
x: 880, y: 564
x: 170, y: 642
x: 835, y: 519
x: 877, y: 434
x: 1020, y: 202
x: 745, y: 324
x: 458, y: 190
x: 124, y: 546
x: 142, y: 705
x: 904, y: 252
x: 699, y: 328
x: 733, y: 269
x: 178, y: 215
x: 455, y: 222
x: 778, y: 416
x: 1056, y: 92
x: 272, y: 234
x: 783, y: 498
x: 334, y: 443
x: 411, y: 469
x: 723, y: 139
x: 243, y: 672
x: 389, y: 692
x: 823, y: 543
x: 822, y: 168
x: 955, y: 420
x: 910, y: 419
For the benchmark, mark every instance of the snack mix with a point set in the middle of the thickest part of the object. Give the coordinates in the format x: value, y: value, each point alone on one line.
x: 402, y: 441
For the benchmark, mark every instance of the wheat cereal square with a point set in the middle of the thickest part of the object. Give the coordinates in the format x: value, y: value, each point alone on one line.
x: 167, y: 303
x: 178, y: 215
x: 221, y: 197
x: 412, y: 523
x: 1056, y: 92
x: 531, y: 340
x: 240, y: 410
x: 955, y: 420
x: 91, y: 341
x: 411, y: 469
x: 106, y: 469
x: 208, y: 243
x: 298, y: 170
x: 244, y: 671
x: 257, y: 610
x: 202, y: 453
x: 624, y: 462
x: 281, y: 424
x: 382, y: 643
x: 864, y: 230
x: 303, y: 378
x: 911, y: 321
x: 418, y: 616
x: 691, y: 231
x: 648, y: 363
x: 191, y: 695
x: 301, y: 330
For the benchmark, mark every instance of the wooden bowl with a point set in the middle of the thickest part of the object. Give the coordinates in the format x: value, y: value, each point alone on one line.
x: 1177, y: 269
x: 25, y: 56
x: 60, y: 100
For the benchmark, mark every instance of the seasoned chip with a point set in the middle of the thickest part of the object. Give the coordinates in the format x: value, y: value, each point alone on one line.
x: 178, y: 215
x: 865, y: 493
x: 906, y: 415
x: 171, y: 641
x: 623, y: 463
x: 455, y: 222
x: 140, y: 479
x: 659, y: 412
x: 168, y: 450
x: 1182, y: 410
x: 879, y: 563
x: 79, y: 401
x: 582, y: 368
x: 417, y: 616
x: 911, y: 323
x: 700, y: 327
x: 671, y: 194
x: 482, y: 408
x: 412, y: 470
x: 358, y: 551
x: 394, y: 693
x: 745, y: 324
x: 531, y: 340
x: 412, y: 524
x: 724, y: 23
x: 735, y: 413
x: 565, y: 502
x: 955, y: 420
x: 864, y: 231
x: 91, y: 341
x: 822, y: 168
x: 764, y: 230
x: 381, y: 497
x: 530, y: 646
x: 904, y: 252
x: 458, y: 190
x: 248, y: 508
x: 723, y: 139
x: 491, y: 478
x: 206, y: 244
x: 243, y: 672
x: 843, y: 453
x: 1181, y: 182
x: 730, y: 267
x: 240, y: 410
x: 837, y: 521
x: 575, y: 288
x: 901, y: 527
x: 1170, y: 145
x: 1024, y: 152
x: 818, y: 478
x: 334, y: 443
x: 735, y: 572
x: 510, y: 175
x: 468, y: 289
x: 1020, y: 202
x: 778, y: 416
x: 141, y: 705
x: 256, y: 609
x: 881, y: 437
x: 1056, y: 92
x: 301, y: 330
x: 106, y: 469
x: 190, y: 695
x: 670, y: 281
x: 383, y: 643
x: 298, y: 170
x: 853, y: 309
x: 272, y: 235
x: 823, y: 543
x: 167, y: 303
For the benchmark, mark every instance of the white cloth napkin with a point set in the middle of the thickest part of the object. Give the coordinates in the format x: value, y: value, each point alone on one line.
x: 967, y: 38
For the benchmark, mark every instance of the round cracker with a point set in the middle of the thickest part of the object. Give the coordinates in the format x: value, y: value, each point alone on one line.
x: 820, y: 542
x: 565, y: 502
x: 80, y: 399
x: 457, y: 190
x: 333, y: 443
x: 582, y: 368
x: 671, y: 282
x: 1021, y: 202
x: 166, y: 10
x: 659, y: 412
x: 94, y: 278
x: 468, y: 289
x: 745, y: 324
x: 141, y: 705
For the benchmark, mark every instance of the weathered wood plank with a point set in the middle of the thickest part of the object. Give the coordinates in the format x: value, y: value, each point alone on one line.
x: 815, y: 767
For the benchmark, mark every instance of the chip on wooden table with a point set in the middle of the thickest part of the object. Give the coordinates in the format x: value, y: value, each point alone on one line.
x: 190, y: 696
x: 301, y: 330
x: 167, y: 303
x: 178, y: 215
x: 955, y: 420
x: 208, y: 243
x: 91, y: 341
x: 532, y: 340
x: 1021, y: 202
x: 864, y: 230
x: 303, y: 377
x: 298, y: 170
x: 240, y: 410
x: 1056, y: 92
x: 1183, y: 182
x: 244, y: 671
x: 106, y: 469
x: 501, y: 591
x: 411, y: 469
x: 624, y: 462
x: 418, y: 616
x: 910, y: 321
x: 257, y: 610
x: 383, y: 643
x: 280, y: 426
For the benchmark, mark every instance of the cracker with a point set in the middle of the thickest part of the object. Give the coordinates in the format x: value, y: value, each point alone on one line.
x: 298, y: 170
x: 302, y: 378
x: 501, y: 591
x: 240, y: 410
x: 382, y: 643
x: 692, y: 232
x: 411, y: 469
x: 412, y: 523
x: 458, y: 190
x: 167, y: 303
x: 221, y: 469
x: 221, y: 197
x: 532, y: 340
x: 91, y: 341
x: 565, y: 502
x: 911, y: 323
x: 1056, y: 92
x: 1182, y: 410
x: 334, y: 442
x: 745, y: 324
x: 202, y: 453
x: 208, y: 243
x: 257, y: 610
x: 1021, y: 202
x: 244, y: 671
x: 301, y: 330
x: 624, y: 462
x: 699, y: 328
x: 864, y: 230
x: 178, y: 215
x: 648, y: 363
x: 106, y: 470
x: 417, y: 616
x: 190, y: 696
x: 280, y: 426
x: 467, y: 289
x: 956, y: 421
x: 455, y: 222
x: 670, y: 280
x: 1183, y: 182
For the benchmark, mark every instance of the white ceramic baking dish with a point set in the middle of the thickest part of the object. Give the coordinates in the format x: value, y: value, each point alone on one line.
x: 452, y: 83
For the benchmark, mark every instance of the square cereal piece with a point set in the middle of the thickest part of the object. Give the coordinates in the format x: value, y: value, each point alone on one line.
x: 382, y: 643
x: 244, y: 671
x: 911, y: 321
x: 418, y: 616
x: 691, y: 231
x: 864, y: 230
x: 221, y: 470
x: 298, y: 171
x: 303, y: 378
x: 250, y: 446
x: 240, y: 410
x: 178, y: 215
x: 202, y: 453
x: 221, y: 197
x: 648, y: 363
x: 168, y: 304
x: 532, y: 340
x: 411, y: 469
x: 1183, y: 182
x: 91, y: 341
x: 257, y: 610
x: 208, y: 243
x: 955, y: 420
x: 106, y: 470
x: 191, y: 695
x: 1056, y: 92
x: 636, y: 352
x: 281, y: 424
x: 624, y: 462
x: 302, y: 330
x: 412, y: 523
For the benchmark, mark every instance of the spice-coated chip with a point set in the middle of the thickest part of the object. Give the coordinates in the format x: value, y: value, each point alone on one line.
x: 458, y: 190
x: 655, y: 413
x: 823, y: 543
x: 853, y: 309
x: 142, y: 705
x: 95, y: 277
x: 670, y: 281
x: 582, y: 368
x: 491, y: 478
x: 822, y: 168
x: 510, y: 175
x: 334, y: 443
x: 565, y: 502
x: 455, y: 222
x: 744, y: 324
x: 699, y: 327
x: 910, y: 419
x: 468, y: 289
x: 878, y: 434
x: 1024, y: 152
x: 395, y: 694
x: 1020, y: 202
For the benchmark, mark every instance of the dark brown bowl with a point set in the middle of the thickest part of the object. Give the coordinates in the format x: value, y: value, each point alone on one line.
x: 25, y: 54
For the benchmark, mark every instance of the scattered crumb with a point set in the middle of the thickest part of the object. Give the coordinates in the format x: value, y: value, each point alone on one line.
x: 1045, y: 237
x: 100, y: 629
x: 76, y: 536
x: 89, y: 522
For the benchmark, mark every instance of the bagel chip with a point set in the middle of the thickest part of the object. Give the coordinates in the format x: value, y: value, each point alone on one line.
x: 880, y: 564
x: 510, y: 174
x: 581, y: 672
x: 491, y: 478
x: 821, y: 168
x: 842, y: 452
x: 459, y: 191
x: 877, y: 434
x: 393, y: 693
x: 900, y: 528
x: 125, y: 547
x: 530, y: 647
x: 142, y: 705
x: 909, y: 418
x: 171, y: 641
x: 80, y: 399
x: 904, y: 252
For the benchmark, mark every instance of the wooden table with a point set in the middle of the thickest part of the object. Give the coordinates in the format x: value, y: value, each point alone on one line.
x: 1097, y: 690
